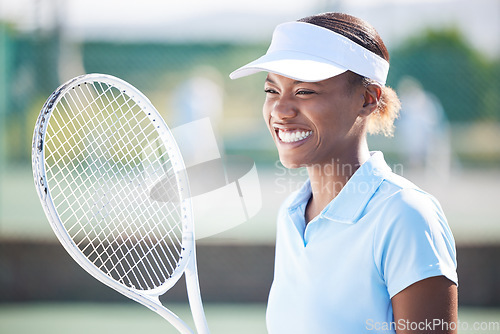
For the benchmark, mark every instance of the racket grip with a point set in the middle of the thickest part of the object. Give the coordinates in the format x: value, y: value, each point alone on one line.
x: 173, y: 319
x: 194, y: 296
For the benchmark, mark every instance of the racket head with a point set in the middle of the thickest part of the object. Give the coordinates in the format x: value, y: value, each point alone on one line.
x: 99, y: 148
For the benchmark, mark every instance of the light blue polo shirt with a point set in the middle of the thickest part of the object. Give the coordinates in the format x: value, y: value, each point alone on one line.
x: 338, y: 275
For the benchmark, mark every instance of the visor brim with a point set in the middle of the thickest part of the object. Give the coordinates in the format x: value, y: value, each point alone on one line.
x: 293, y: 65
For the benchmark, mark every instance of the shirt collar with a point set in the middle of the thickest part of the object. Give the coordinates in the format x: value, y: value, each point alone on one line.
x: 349, y: 204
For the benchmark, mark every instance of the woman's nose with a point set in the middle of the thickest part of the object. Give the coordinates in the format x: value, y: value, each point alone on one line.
x: 284, y: 108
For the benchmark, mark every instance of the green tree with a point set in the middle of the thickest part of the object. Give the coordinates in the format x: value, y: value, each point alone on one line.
x: 466, y: 83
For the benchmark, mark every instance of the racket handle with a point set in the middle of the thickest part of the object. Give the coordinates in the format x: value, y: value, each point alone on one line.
x: 154, y: 304
x: 174, y: 320
x: 194, y: 296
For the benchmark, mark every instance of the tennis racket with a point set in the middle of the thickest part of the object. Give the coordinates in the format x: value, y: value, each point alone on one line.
x: 100, y: 152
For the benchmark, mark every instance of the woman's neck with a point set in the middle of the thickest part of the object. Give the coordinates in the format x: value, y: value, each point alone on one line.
x: 328, y: 179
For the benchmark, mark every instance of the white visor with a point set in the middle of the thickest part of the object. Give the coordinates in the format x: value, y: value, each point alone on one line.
x: 310, y: 53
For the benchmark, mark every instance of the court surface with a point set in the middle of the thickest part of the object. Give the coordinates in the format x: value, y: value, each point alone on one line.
x: 84, y: 318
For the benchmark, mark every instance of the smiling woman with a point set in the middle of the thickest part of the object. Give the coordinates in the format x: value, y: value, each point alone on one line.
x: 357, y: 243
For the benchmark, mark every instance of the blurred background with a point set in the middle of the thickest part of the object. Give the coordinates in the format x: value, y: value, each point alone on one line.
x: 445, y: 66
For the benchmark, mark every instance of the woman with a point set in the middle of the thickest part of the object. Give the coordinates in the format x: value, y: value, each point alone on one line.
x: 359, y: 249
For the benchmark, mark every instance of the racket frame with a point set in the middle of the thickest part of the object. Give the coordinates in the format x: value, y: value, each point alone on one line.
x: 187, y: 261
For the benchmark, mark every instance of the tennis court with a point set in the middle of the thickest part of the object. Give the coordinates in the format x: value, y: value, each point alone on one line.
x: 83, y: 318
x: 44, y: 318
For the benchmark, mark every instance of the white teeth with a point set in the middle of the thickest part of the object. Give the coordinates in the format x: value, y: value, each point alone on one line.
x: 291, y: 137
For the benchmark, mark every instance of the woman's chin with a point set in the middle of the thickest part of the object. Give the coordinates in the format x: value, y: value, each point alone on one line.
x: 291, y: 163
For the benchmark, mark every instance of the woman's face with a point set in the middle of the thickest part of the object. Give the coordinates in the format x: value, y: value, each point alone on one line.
x: 314, y: 123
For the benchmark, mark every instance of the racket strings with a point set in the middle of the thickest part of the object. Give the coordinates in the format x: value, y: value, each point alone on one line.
x: 142, y: 240
x: 61, y: 131
x: 102, y: 157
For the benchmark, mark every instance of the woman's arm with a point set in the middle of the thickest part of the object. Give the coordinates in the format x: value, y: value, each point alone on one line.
x: 428, y: 306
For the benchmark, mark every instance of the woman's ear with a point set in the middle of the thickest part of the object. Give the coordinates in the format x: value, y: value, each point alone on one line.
x: 371, y: 95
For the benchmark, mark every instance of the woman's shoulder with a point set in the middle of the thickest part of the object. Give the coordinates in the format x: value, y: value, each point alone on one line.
x: 399, y: 197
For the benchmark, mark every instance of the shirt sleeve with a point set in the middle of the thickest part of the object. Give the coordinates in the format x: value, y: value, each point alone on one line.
x: 413, y: 241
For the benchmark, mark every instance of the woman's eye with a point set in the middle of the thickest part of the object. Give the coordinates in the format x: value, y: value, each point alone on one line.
x: 270, y: 91
x: 305, y: 92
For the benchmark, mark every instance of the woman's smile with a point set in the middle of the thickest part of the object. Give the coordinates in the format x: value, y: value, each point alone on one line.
x: 291, y: 135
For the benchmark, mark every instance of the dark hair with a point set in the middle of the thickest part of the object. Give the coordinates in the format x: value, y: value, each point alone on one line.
x: 364, y: 34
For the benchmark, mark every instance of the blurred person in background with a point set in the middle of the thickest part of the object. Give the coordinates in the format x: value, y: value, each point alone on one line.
x: 359, y: 249
x: 423, y: 130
